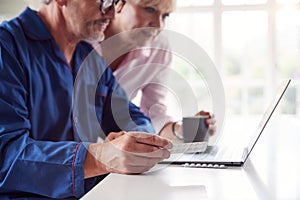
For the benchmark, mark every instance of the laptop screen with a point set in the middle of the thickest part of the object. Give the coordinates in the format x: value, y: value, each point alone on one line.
x: 268, y: 113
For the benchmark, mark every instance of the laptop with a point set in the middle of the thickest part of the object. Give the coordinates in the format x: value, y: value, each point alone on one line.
x: 223, y: 156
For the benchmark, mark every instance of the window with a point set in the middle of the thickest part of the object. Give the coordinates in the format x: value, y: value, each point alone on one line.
x: 188, y: 3
x: 254, y: 43
x: 243, y: 2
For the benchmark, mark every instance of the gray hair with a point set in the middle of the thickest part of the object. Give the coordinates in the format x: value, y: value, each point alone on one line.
x: 45, y: 1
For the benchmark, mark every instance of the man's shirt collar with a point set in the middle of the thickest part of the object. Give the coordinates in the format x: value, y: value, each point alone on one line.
x: 33, y: 25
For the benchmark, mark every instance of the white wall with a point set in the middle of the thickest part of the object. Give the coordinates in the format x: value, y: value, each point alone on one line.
x: 11, y: 8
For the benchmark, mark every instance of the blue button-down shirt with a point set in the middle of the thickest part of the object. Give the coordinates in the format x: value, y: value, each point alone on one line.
x: 41, y: 151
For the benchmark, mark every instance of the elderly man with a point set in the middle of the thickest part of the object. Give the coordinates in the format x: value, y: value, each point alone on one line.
x: 41, y: 152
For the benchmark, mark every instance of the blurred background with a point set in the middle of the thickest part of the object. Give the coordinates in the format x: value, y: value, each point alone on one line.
x: 254, y: 44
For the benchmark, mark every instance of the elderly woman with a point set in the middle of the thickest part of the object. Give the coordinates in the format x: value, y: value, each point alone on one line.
x: 145, y: 62
x: 134, y: 66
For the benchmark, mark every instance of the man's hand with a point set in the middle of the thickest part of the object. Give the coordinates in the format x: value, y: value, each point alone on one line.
x: 128, y: 153
x: 113, y: 135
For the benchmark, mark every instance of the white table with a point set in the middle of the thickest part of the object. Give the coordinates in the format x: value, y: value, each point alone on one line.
x: 271, y: 172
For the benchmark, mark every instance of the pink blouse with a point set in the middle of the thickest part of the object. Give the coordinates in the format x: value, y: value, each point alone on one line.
x: 146, y: 70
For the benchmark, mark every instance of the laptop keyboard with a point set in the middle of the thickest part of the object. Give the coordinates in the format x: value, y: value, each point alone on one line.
x: 194, y: 147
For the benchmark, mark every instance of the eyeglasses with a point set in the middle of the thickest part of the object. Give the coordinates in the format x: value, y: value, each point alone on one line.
x: 106, y: 6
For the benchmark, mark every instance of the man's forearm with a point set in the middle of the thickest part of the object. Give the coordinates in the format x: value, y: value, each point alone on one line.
x: 92, y: 166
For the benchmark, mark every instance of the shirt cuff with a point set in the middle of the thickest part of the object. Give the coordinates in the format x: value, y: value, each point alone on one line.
x: 78, y: 169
